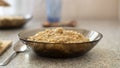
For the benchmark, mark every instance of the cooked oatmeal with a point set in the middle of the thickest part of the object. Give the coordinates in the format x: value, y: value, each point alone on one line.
x: 59, y: 35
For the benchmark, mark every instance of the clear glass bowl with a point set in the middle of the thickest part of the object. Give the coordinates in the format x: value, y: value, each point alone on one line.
x: 53, y: 8
x: 16, y: 13
x: 61, y: 50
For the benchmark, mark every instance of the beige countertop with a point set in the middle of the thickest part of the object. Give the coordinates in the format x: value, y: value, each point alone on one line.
x: 106, y: 54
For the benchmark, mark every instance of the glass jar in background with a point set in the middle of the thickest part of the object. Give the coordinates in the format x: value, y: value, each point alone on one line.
x: 16, y: 13
x: 53, y: 9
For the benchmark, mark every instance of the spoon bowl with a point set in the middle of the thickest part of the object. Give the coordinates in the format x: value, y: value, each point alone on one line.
x: 18, y: 48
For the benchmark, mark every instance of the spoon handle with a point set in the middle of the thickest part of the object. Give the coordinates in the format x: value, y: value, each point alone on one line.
x: 8, y: 59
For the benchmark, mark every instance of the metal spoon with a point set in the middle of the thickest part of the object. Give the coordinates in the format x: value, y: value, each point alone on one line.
x: 18, y: 47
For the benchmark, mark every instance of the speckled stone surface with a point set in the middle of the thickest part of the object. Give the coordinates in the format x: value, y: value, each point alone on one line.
x: 106, y: 54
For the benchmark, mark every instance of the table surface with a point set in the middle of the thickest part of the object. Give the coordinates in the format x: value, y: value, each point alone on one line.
x: 106, y: 54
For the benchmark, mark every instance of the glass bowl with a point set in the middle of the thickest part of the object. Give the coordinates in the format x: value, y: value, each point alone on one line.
x: 61, y: 50
x: 11, y: 22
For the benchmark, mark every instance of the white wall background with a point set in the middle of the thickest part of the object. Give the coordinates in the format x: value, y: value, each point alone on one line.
x: 82, y: 9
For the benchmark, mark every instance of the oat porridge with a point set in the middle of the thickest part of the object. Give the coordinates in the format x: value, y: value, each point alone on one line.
x: 58, y: 35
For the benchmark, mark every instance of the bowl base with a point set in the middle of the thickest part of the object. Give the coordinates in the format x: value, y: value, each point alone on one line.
x: 54, y: 55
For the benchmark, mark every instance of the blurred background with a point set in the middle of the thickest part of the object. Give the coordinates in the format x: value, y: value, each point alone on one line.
x: 77, y: 9
x: 82, y: 9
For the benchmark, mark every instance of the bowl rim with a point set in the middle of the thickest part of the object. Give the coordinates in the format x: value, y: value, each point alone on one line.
x: 98, y: 39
